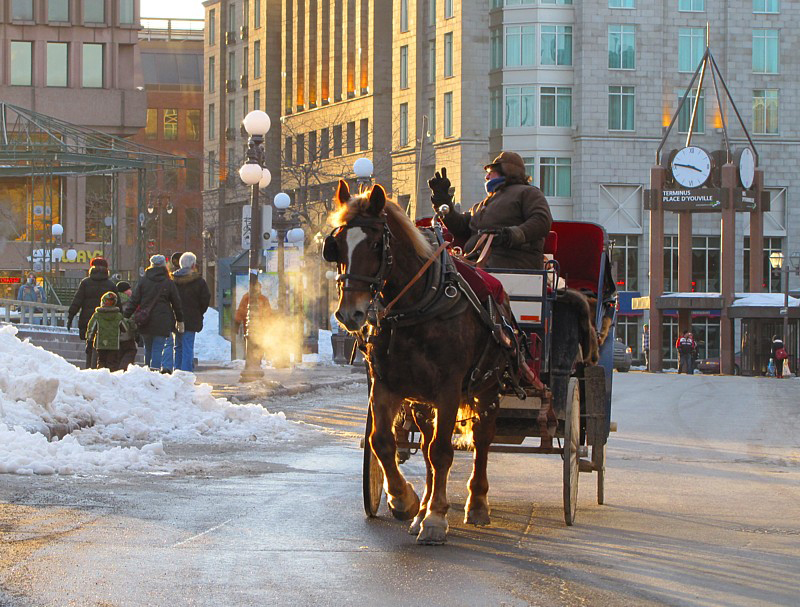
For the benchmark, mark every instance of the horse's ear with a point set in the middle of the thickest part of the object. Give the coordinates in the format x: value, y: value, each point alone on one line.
x: 342, y: 192
x: 377, y: 199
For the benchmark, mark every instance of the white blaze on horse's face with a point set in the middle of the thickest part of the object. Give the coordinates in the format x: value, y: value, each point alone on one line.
x: 355, y: 297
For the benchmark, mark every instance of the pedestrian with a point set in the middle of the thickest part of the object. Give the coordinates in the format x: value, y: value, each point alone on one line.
x: 516, y: 212
x: 129, y: 339
x: 104, y: 329
x: 156, y: 307
x: 685, y: 346
x: 87, y: 299
x: 646, y: 346
x: 256, y: 333
x: 31, y: 292
x: 195, y: 298
x: 778, y: 354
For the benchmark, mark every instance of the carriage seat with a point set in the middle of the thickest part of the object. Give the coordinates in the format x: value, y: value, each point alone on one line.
x: 481, y: 282
x: 580, y: 253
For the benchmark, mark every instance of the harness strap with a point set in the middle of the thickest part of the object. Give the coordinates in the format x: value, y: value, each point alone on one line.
x: 382, y: 314
x: 486, y: 248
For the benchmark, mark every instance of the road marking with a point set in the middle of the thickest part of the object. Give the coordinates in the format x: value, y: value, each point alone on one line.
x: 194, y: 537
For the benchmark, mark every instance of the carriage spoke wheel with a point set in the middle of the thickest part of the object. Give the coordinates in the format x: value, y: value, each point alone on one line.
x: 372, y: 479
x: 572, y: 435
x: 599, y: 461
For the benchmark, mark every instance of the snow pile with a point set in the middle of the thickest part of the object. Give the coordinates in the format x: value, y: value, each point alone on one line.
x: 40, y: 390
x: 209, y: 345
x: 764, y: 299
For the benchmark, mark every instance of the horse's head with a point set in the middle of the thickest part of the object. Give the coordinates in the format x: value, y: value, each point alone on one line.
x: 359, y: 244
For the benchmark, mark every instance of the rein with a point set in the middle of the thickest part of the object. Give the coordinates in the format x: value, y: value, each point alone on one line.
x: 383, y: 313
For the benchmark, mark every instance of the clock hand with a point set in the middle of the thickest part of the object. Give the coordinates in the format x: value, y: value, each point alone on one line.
x: 688, y: 166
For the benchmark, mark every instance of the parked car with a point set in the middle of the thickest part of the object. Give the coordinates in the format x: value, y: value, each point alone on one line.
x: 622, y: 356
x: 711, y: 365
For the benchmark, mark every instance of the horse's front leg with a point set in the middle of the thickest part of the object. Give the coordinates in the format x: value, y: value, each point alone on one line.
x: 385, y: 405
x: 476, y: 510
x: 424, y: 419
x: 434, y: 526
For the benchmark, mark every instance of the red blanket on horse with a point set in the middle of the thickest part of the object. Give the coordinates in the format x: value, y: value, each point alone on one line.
x: 483, y: 283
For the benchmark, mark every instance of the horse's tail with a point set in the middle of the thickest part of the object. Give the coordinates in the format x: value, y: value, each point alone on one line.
x: 588, y: 334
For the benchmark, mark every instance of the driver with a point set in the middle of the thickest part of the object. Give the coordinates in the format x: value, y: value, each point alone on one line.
x: 515, y: 211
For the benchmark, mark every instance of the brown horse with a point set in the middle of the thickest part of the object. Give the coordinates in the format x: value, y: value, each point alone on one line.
x: 432, y: 353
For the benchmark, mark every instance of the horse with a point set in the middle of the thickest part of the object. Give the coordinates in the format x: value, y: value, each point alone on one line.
x: 433, y: 354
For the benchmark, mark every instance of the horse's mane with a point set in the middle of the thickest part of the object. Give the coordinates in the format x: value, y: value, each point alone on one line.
x: 398, y: 221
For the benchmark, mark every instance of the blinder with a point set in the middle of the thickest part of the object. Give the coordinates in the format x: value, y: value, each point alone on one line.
x: 330, y: 250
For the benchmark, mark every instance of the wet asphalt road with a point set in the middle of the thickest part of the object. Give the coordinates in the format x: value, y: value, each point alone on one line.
x: 701, y: 509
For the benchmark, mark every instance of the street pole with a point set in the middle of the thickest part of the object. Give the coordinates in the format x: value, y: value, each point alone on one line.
x: 252, y: 173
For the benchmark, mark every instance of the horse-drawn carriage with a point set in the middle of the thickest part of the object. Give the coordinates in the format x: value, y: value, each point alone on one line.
x: 437, y: 364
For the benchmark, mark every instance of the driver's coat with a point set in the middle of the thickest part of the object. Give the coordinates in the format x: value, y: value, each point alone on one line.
x: 354, y: 237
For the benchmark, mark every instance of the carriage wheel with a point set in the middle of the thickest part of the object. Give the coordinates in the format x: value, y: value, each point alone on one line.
x: 572, y: 436
x: 372, y: 479
x: 599, y: 461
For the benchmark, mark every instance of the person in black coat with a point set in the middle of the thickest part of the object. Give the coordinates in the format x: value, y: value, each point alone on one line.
x: 195, y: 298
x: 156, y: 293
x: 87, y: 298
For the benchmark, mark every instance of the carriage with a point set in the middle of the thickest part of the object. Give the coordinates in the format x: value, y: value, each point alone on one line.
x: 574, y: 421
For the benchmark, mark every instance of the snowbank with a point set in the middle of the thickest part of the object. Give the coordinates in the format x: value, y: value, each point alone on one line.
x: 39, y: 389
x: 764, y: 299
x: 209, y: 345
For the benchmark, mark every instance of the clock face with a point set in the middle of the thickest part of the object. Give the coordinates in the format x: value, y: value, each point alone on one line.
x: 747, y: 168
x: 691, y: 167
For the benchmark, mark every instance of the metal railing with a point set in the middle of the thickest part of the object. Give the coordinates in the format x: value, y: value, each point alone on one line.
x: 32, y: 313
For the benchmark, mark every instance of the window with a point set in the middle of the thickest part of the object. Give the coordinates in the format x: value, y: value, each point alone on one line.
x: 432, y: 118
x: 520, y: 45
x: 692, y: 5
x: 21, y: 63
x: 337, y: 140
x: 403, y: 124
x: 212, y: 121
x: 257, y: 100
x: 151, y: 126
x: 706, y: 264
x: 257, y: 59
x: 245, y: 109
x: 555, y: 108
x: 448, y: 9
x: 620, y: 108
x: 57, y: 64
x: 431, y: 62
x: 212, y: 75
x: 497, y: 4
x: 231, y: 65
x: 520, y: 101
x: 232, y: 17
x: 126, y: 12
x: 621, y: 3
x: 287, y: 151
x: 403, y: 15
x: 232, y: 115
x: 555, y: 176
x: 300, y: 149
x: 193, y: 182
x: 628, y: 331
x: 496, y: 49
x: 685, y: 117
x: 245, y: 62
x: 765, y: 51
x: 625, y: 261
x: 670, y: 264
x: 765, y: 6
x: 94, y: 11
x: 363, y: 134
x: 495, y: 109
x: 621, y: 47
x: 691, y: 47
x: 212, y: 27
x: 404, y: 67
x: 448, y: 55
x: 772, y: 278
x: 448, y: 114
x: 170, y: 124
x: 245, y: 13
x: 765, y: 112
x: 256, y: 14
x: 312, y: 146
x: 556, y: 45
x: 212, y: 169
x: 556, y: 1
x: 93, y: 66
x: 431, y: 12
x: 351, y: 137
x: 325, y: 144
x: 22, y: 10
x: 58, y: 11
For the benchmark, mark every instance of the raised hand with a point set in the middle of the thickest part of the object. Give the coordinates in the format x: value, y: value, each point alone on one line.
x: 440, y: 187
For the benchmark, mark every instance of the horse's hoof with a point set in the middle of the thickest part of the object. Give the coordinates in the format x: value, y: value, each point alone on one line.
x: 402, y: 511
x: 416, y: 524
x: 477, y: 517
x: 433, y: 531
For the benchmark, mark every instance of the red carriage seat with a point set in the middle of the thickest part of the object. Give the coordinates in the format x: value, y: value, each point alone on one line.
x: 580, y: 253
x: 551, y: 243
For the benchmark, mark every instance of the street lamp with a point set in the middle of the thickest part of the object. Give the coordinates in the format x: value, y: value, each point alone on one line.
x: 281, y: 202
x: 362, y: 168
x: 57, y: 253
x: 252, y: 173
x: 155, y: 202
x: 784, y: 266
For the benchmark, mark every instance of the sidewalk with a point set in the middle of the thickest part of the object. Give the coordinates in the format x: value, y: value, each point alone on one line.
x: 292, y: 381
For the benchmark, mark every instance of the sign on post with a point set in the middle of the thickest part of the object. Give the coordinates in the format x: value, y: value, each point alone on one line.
x: 266, y: 225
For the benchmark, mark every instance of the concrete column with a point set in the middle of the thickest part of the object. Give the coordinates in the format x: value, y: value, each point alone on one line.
x: 757, y: 238
x: 684, y: 266
x: 658, y: 176
x: 728, y: 269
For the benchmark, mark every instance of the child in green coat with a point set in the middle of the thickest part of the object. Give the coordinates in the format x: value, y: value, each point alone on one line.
x: 104, y: 330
